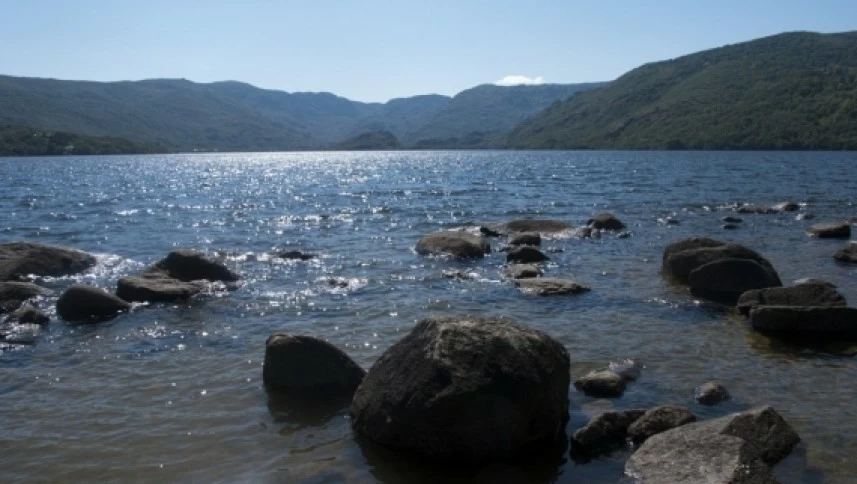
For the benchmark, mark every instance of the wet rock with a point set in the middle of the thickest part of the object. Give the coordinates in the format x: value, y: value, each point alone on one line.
x: 13, y: 294
x: 659, y: 419
x: 837, y: 230
x: 847, y: 254
x: 727, y: 279
x: 813, y: 293
x: 732, y: 219
x: 27, y: 314
x: 466, y: 389
x: 628, y: 369
x: 605, y: 221
x: 525, y: 254
x: 786, y: 207
x: 729, y: 227
x: 309, y: 367
x: 522, y: 271
x: 490, y: 231
x: 295, y: 255
x: 535, y: 225
x: 526, y: 238
x: 20, y: 259
x: 156, y: 287
x: 683, y: 257
x: 545, y: 286
x: 763, y: 427
x: 604, y: 433
x: 191, y: 265
x: 601, y: 384
x: 83, y: 303
x: 806, y: 321
x: 711, y: 393
x: 461, y: 245
x: 688, y: 244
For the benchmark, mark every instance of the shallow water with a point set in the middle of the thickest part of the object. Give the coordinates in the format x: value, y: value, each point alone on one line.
x: 174, y: 391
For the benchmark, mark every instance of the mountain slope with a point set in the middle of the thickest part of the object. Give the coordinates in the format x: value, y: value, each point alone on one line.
x: 22, y: 141
x: 789, y: 91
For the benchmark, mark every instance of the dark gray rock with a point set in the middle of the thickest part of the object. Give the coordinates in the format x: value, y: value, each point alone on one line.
x: 191, y: 265
x: 847, y: 253
x: 605, y: 221
x: 725, y: 280
x: 541, y: 226
x: 156, y: 287
x: 19, y: 259
x: 525, y: 254
x: 763, y: 427
x: 309, y: 367
x: 295, y: 255
x: 836, y: 230
x: 815, y: 293
x: 522, y: 271
x: 491, y: 231
x: 730, y: 227
x: 657, y: 420
x: 526, y: 238
x: 604, y: 433
x: 466, y: 389
x: 601, y: 384
x: 83, y: 303
x: 812, y: 321
x: 679, y: 263
x: 730, y: 219
x: 461, y: 245
x: 13, y: 294
x: 711, y: 393
x: 545, y: 286
x: 786, y: 207
x: 688, y: 244
x: 27, y: 314
x: 758, y: 209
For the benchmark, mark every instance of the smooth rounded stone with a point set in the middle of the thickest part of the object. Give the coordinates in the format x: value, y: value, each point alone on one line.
x: 659, y: 419
x: 601, y: 384
x: 689, y: 244
x: 156, y: 287
x: 730, y: 227
x: 522, y: 271
x: 605, y: 221
x: 547, y: 286
x: 526, y: 238
x: 726, y: 280
x: 81, y: 302
x: 536, y: 225
x: 837, y: 230
x: 678, y: 264
x: 13, y: 294
x: 606, y: 432
x: 295, y: 255
x: 815, y: 293
x: 27, y: 314
x: 192, y: 265
x: 309, y: 367
x: 847, y: 253
x: 20, y: 259
x: 805, y: 321
x: 461, y: 245
x: 628, y: 369
x: 525, y: 254
x: 711, y: 393
x: 466, y: 389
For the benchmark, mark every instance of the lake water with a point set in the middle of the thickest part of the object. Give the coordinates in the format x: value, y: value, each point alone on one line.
x: 174, y: 392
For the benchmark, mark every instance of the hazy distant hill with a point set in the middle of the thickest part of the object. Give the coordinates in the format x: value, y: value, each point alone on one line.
x: 184, y: 116
x: 22, y: 141
x: 788, y: 91
x: 372, y: 140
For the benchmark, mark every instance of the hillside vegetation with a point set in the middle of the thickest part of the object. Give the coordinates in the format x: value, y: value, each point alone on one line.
x: 22, y: 141
x: 788, y: 91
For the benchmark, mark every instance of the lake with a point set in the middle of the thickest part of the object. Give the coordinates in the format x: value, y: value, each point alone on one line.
x: 174, y: 392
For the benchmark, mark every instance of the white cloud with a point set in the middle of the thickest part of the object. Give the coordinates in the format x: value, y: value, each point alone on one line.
x: 517, y: 80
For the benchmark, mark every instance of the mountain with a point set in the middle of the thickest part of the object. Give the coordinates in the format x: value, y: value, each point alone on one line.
x: 23, y: 141
x: 789, y: 91
x: 181, y: 115
x: 371, y: 140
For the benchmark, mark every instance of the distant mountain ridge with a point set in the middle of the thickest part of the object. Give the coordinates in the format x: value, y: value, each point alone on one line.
x: 181, y: 115
x: 794, y: 90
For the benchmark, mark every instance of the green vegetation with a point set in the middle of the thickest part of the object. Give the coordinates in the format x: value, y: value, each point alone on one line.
x: 372, y: 140
x: 788, y: 91
x: 21, y: 141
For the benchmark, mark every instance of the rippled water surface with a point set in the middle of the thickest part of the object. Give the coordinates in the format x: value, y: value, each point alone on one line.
x: 174, y: 392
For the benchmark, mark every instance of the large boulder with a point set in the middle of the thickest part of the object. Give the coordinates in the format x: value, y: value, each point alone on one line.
x: 541, y: 226
x: 680, y: 262
x: 19, y: 259
x: 836, y: 230
x: 606, y: 432
x: 548, y: 286
x: 466, y: 389
x: 811, y: 293
x: 657, y: 420
x: 805, y: 321
x: 192, y: 265
x: 525, y: 255
x: 84, y: 303
x: 13, y: 294
x: 461, y: 245
x: 156, y: 287
x: 309, y: 367
x: 726, y: 280
x: 605, y: 221
x: 688, y: 244
x: 847, y: 253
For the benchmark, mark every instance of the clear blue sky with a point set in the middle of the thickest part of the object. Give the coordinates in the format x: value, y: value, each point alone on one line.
x: 374, y: 50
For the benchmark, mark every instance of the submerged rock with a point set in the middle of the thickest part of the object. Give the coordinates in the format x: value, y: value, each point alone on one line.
x: 466, y: 389
x: 526, y: 238
x: 837, y: 230
x: 13, y: 294
x: 83, y: 303
x: 456, y: 274
x: 309, y: 367
x: 525, y: 255
x: 657, y: 420
x: 604, y: 433
x: 732, y: 220
x: 711, y: 393
x: 295, y: 255
x: 758, y: 209
x: 601, y: 384
x: 461, y: 245
x: 522, y: 271
x: 683, y: 257
x: 20, y: 259
x: 811, y: 293
x: 847, y: 253
x: 535, y: 225
x: 727, y: 279
x: 805, y: 321
x: 546, y: 286
x: 605, y: 221
x: 27, y: 314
